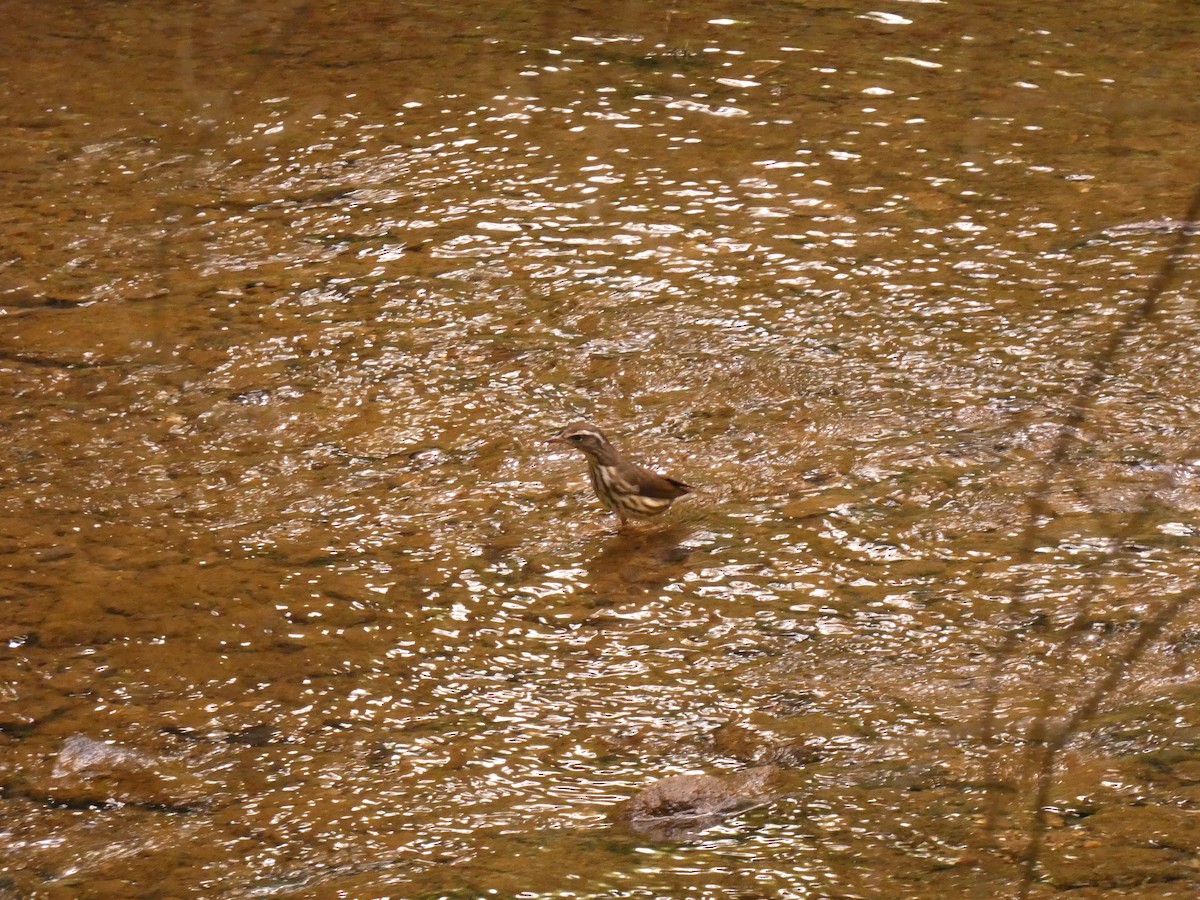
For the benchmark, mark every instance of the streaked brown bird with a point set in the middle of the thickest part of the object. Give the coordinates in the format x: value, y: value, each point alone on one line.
x: 628, y: 490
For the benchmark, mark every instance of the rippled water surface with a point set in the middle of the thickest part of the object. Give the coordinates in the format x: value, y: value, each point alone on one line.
x: 292, y: 295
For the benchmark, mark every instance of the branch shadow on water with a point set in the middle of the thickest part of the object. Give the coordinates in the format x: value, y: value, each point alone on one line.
x: 1055, y: 726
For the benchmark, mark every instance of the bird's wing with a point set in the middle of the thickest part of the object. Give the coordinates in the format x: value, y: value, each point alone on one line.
x: 660, y: 487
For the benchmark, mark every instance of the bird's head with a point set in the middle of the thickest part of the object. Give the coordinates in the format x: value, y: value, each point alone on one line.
x: 583, y: 436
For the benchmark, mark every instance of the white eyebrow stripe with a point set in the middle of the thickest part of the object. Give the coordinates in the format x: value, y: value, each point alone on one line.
x: 589, y: 433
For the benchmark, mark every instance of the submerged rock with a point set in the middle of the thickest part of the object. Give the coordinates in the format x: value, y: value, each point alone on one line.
x: 80, y: 755
x: 682, y: 805
x: 90, y: 774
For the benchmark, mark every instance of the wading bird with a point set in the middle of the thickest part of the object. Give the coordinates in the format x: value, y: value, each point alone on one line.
x: 628, y: 490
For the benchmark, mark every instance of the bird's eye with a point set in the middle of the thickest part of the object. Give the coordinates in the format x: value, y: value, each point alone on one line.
x: 576, y: 438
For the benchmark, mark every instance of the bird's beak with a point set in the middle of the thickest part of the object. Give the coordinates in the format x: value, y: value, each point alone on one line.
x: 557, y: 439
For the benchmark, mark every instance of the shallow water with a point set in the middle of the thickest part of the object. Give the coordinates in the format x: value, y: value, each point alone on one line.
x: 291, y: 299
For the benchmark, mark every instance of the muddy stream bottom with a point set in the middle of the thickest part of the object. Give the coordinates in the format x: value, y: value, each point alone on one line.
x: 296, y: 600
